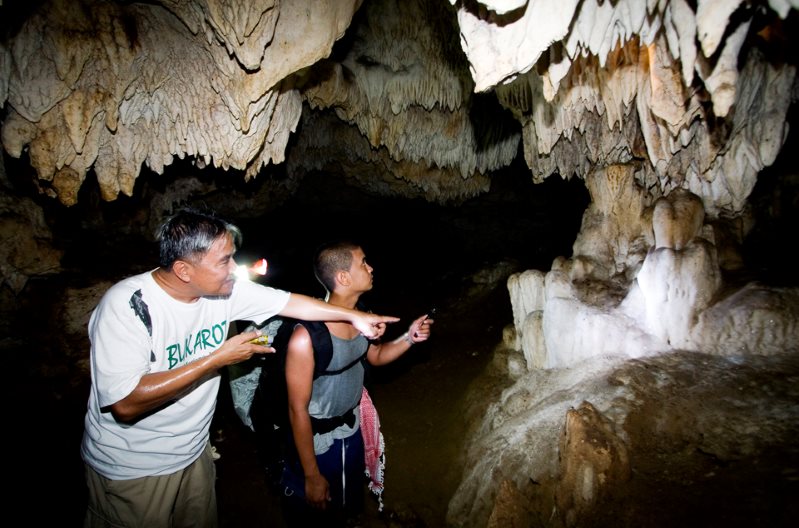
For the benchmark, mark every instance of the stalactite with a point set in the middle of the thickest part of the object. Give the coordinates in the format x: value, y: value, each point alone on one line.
x: 147, y: 83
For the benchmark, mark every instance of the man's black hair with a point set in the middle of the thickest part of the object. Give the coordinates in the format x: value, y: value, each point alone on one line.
x: 189, y: 233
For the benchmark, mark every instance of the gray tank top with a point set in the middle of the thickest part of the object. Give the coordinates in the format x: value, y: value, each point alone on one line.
x: 336, y: 394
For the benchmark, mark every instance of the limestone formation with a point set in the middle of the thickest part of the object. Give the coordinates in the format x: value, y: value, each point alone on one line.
x: 684, y: 92
x: 677, y: 219
x: 27, y: 243
x: 585, y: 313
x: 593, y: 459
x: 664, y: 295
x: 509, y: 508
x: 667, y: 109
x: 404, y: 87
x: 674, y: 429
x: 111, y: 86
x: 611, y: 82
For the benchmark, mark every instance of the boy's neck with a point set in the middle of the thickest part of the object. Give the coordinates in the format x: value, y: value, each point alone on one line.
x: 345, y: 301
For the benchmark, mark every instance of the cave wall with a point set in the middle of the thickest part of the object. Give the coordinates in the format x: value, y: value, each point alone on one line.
x: 668, y: 110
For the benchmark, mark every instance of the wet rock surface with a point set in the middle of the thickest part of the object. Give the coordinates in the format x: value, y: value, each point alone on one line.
x: 682, y: 439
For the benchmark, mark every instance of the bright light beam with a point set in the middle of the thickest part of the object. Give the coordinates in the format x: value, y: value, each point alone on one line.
x: 242, y: 273
x: 259, y: 268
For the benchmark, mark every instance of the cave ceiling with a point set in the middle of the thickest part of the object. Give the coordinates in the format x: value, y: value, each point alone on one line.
x: 415, y: 98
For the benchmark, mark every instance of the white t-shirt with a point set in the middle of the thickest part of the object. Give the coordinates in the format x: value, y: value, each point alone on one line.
x: 123, y: 349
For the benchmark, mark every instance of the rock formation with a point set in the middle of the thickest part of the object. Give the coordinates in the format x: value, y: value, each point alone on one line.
x: 667, y: 110
x: 110, y: 86
x: 690, y: 96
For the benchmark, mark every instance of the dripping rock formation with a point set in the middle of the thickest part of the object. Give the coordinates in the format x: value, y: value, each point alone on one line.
x: 665, y: 334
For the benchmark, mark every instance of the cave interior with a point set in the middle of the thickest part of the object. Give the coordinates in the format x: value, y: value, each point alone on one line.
x: 598, y: 198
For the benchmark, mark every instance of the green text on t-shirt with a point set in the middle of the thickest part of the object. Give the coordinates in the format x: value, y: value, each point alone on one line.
x: 207, y: 338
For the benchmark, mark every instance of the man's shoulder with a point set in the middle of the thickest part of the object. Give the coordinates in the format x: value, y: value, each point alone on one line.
x: 124, y: 288
x: 245, y: 290
x: 121, y: 296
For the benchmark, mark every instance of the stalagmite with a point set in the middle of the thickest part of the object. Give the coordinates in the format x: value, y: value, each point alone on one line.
x: 667, y: 110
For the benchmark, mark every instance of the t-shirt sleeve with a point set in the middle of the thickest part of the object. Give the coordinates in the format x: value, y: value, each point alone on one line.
x: 255, y: 302
x: 121, y: 347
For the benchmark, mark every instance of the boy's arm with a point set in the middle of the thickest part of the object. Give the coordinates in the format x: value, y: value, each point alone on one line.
x: 299, y: 381
x: 384, y: 353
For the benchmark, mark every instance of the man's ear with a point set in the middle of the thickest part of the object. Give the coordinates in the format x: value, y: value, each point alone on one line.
x: 182, y: 270
x: 343, y: 278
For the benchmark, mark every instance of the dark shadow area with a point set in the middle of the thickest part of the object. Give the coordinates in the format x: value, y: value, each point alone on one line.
x: 767, y: 250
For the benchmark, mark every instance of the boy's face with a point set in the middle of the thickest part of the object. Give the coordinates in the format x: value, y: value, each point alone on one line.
x: 360, y: 271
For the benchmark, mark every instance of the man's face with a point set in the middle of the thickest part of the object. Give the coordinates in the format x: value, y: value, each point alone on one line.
x: 214, y: 274
x: 360, y: 271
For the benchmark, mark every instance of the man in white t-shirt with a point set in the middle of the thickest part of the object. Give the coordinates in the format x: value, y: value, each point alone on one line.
x: 158, y: 340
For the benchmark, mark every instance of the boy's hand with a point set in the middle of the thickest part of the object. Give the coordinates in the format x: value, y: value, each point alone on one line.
x: 370, y: 325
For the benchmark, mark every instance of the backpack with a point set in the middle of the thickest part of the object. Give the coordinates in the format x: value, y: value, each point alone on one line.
x: 268, y: 411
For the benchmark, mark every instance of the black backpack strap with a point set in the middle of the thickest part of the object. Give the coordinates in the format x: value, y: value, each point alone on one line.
x: 320, y: 341
x: 325, y: 425
x: 281, y: 339
x: 323, y: 349
x: 346, y: 367
x: 322, y: 346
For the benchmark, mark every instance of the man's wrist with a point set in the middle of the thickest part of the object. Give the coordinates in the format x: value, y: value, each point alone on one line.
x: 409, y: 338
